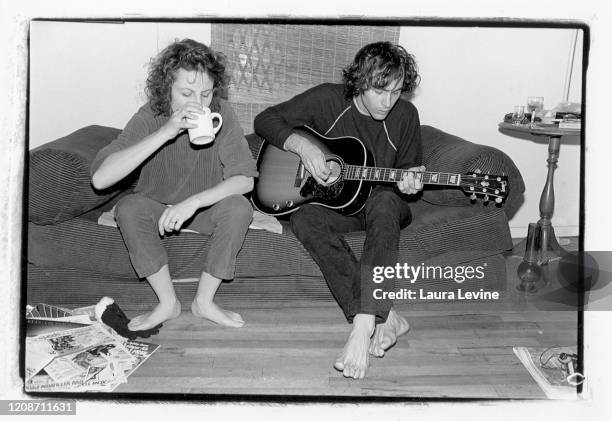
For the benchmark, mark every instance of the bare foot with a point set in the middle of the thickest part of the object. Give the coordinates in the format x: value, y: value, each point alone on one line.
x: 216, y: 314
x: 354, y: 360
x: 161, y: 313
x: 386, y: 334
x: 234, y: 315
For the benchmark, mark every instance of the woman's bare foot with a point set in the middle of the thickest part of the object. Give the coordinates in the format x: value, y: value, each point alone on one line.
x: 233, y: 315
x: 354, y: 360
x: 216, y: 314
x: 386, y: 334
x: 162, y: 312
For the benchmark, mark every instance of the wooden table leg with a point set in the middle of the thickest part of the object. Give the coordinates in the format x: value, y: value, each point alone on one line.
x: 548, y: 241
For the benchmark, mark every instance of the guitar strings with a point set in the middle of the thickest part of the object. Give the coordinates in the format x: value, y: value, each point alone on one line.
x: 390, y: 174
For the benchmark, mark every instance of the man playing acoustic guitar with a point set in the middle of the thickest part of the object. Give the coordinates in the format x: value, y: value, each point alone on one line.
x: 368, y: 107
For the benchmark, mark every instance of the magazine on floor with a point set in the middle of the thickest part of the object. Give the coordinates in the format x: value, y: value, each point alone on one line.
x: 73, y: 353
x: 549, y: 373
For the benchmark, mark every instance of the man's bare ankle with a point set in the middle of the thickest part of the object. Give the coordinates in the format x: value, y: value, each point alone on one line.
x: 364, y: 321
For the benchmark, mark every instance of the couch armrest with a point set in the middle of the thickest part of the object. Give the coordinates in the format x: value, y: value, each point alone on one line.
x: 59, y: 179
x: 447, y: 153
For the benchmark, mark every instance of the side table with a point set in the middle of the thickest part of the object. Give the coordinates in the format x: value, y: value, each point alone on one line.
x: 547, y: 241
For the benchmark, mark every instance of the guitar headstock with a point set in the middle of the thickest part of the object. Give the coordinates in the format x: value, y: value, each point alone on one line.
x: 487, y: 186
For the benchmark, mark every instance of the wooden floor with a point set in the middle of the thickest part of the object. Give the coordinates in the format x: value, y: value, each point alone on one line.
x: 290, y: 352
x: 451, y: 351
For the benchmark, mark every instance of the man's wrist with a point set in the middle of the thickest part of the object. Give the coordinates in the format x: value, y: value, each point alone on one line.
x: 293, y: 143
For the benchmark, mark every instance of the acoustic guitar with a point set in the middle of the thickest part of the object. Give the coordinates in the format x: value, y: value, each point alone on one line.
x: 284, y: 184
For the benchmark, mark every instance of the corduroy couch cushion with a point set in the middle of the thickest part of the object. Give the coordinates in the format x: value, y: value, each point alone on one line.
x: 59, y: 179
x: 444, y: 152
x: 436, y: 231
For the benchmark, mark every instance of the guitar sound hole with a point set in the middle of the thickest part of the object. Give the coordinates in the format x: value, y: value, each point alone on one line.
x: 336, y: 170
x: 336, y: 183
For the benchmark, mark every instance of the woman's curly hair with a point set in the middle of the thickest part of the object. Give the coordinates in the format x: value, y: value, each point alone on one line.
x: 189, y: 55
x: 377, y: 64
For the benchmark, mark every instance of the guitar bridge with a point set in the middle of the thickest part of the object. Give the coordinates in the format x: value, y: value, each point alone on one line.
x: 313, y: 189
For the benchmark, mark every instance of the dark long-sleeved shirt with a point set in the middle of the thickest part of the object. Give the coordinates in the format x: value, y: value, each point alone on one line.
x: 395, y: 142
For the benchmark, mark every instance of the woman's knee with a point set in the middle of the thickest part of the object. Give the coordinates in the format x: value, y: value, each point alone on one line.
x: 237, y: 208
x: 130, y: 208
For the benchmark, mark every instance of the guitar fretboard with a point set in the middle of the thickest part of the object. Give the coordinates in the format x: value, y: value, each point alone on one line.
x: 392, y: 175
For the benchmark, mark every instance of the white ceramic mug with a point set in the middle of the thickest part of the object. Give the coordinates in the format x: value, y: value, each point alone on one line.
x: 206, y: 131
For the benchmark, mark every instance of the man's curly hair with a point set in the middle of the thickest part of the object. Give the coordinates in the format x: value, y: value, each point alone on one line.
x: 189, y: 55
x: 377, y: 64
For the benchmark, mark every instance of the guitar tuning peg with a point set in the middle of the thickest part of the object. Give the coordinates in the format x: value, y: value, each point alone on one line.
x: 478, y: 171
x: 498, y: 200
x: 473, y: 196
x: 486, y: 198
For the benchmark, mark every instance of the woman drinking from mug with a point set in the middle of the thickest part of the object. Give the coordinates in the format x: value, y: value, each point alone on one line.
x: 181, y: 184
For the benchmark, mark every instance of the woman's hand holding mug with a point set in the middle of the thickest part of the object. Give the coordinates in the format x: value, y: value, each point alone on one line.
x: 205, y: 131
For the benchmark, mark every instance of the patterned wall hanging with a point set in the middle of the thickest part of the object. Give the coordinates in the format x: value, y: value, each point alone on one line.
x: 269, y: 64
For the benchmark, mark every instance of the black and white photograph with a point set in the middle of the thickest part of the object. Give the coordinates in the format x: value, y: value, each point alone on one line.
x: 310, y: 210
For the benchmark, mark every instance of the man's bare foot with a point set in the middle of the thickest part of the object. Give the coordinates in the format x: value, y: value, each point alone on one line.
x: 216, y: 314
x: 354, y: 360
x: 386, y: 334
x: 161, y: 313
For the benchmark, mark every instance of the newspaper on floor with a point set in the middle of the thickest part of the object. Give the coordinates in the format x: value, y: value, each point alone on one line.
x: 88, y: 310
x: 74, y: 340
x: 141, y: 351
x: 104, y: 381
x: 38, y: 355
x: 40, y: 326
x: 548, y: 374
x: 68, y: 351
x: 91, y: 361
x: 47, y: 311
x: 42, y: 349
x: 92, y: 375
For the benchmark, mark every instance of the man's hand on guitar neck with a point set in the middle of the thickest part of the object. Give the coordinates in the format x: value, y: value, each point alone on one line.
x: 312, y: 157
x: 411, y: 183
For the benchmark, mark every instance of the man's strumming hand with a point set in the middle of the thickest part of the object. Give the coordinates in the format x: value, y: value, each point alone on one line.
x: 312, y: 157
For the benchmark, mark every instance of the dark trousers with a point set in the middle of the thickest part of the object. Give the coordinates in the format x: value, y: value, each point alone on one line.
x: 350, y: 280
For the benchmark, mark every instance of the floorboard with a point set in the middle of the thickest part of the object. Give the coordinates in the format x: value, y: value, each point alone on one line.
x: 291, y: 353
x: 452, y: 351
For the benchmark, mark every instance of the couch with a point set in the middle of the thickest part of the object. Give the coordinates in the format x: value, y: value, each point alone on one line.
x: 73, y: 261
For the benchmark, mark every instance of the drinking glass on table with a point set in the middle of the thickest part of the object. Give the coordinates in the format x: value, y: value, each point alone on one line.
x: 535, y: 104
x: 518, y: 115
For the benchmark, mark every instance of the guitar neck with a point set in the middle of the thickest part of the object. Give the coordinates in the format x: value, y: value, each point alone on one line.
x: 393, y: 175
